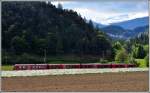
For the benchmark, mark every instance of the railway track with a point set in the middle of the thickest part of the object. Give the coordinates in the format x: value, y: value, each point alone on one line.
x: 67, y: 71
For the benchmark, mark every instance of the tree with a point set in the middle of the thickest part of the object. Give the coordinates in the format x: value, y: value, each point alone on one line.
x: 19, y: 45
x: 91, y: 24
x: 146, y: 48
x: 128, y: 46
x: 132, y: 60
x: 139, y: 52
x: 121, y: 56
x: 117, y: 46
x: 59, y: 6
x: 32, y: 27
x: 25, y: 58
x: 40, y: 45
x: 147, y: 60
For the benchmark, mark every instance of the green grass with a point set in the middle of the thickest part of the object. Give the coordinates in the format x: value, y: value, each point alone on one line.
x: 142, y: 62
x: 7, y: 67
x: 70, y: 60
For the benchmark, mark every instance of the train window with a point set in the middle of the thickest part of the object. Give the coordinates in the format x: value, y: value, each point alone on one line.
x: 42, y: 67
x: 105, y: 66
x: 70, y: 66
x: 23, y: 67
x: 130, y: 65
x: 53, y: 67
x: 67, y: 66
x: 122, y: 66
x: 20, y: 67
x: 117, y: 65
x: 56, y: 66
x: 76, y: 66
x: 33, y: 67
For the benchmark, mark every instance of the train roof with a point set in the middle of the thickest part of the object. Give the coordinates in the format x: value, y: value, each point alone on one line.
x: 76, y: 64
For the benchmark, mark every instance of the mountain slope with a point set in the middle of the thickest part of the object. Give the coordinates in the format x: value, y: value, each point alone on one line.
x: 33, y: 27
x: 132, y: 24
x: 118, y: 32
x: 112, y: 29
x: 98, y: 25
x: 136, y: 31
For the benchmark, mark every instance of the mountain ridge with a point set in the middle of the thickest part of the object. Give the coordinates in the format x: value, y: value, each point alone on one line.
x: 133, y: 23
x: 121, y: 33
x: 122, y: 30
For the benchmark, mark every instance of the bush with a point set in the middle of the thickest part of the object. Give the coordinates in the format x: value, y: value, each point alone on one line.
x: 121, y: 56
x: 133, y: 61
x: 147, y: 60
x: 139, y: 52
x: 103, y: 61
x: 21, y: 59
x: 6, y: 59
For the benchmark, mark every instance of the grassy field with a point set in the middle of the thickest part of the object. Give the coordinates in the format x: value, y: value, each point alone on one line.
x: 142, y: 62
x: 7, y: 67
x: 71, y: 59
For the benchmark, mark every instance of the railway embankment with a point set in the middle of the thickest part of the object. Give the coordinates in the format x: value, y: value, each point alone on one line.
x: 67, y: 71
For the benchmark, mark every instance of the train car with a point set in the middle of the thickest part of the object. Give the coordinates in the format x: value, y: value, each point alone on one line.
x: 123, y: 65
x: 103, y: 65
x: 56, y: 66
x: 30, y: 66
x: 118, y: 66
x: 23, y: 66
x: 86, y: 66
x: 131, y: 65
x: 69, y: 66
x: 40, y: 66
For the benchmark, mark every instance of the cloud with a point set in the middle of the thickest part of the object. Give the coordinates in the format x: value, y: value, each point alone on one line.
x: 94, y: 15
x: 56, y: 3
x: 125, y: 17
x: 106, y: 12
x: 64, y: 3
x: 108, y: 17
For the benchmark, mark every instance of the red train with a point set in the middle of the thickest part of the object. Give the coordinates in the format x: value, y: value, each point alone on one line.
x: 68, y: 66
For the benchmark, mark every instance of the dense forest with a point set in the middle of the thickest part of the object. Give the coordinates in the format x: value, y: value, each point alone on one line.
x: 33, y: 30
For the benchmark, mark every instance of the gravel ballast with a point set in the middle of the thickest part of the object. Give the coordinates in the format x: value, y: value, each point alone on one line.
x: 66, y: 71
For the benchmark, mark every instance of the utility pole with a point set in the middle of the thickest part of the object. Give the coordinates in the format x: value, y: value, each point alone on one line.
x: 45, y: 56
x: 6, y: 59
x: 103, y: 54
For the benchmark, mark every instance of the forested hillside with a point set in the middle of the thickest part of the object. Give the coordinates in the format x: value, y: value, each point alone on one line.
x: 118, y: 32
x: 138, y: 48
x: 133, y: 23
x: 39, y: 32
x: 39, y: 28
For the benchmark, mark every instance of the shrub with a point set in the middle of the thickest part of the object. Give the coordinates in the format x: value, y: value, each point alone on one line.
x: 133, y: 61
x: 121, y: 56
x: 103, y: 61
x: 147, y: 60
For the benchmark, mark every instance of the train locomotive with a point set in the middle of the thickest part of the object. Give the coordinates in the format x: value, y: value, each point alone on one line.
x: 69, y: 66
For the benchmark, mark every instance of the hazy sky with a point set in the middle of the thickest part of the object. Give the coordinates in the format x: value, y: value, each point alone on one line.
x: 109, y: 11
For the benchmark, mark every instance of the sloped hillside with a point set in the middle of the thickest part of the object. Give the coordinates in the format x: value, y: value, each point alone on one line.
x: 36, y: 27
